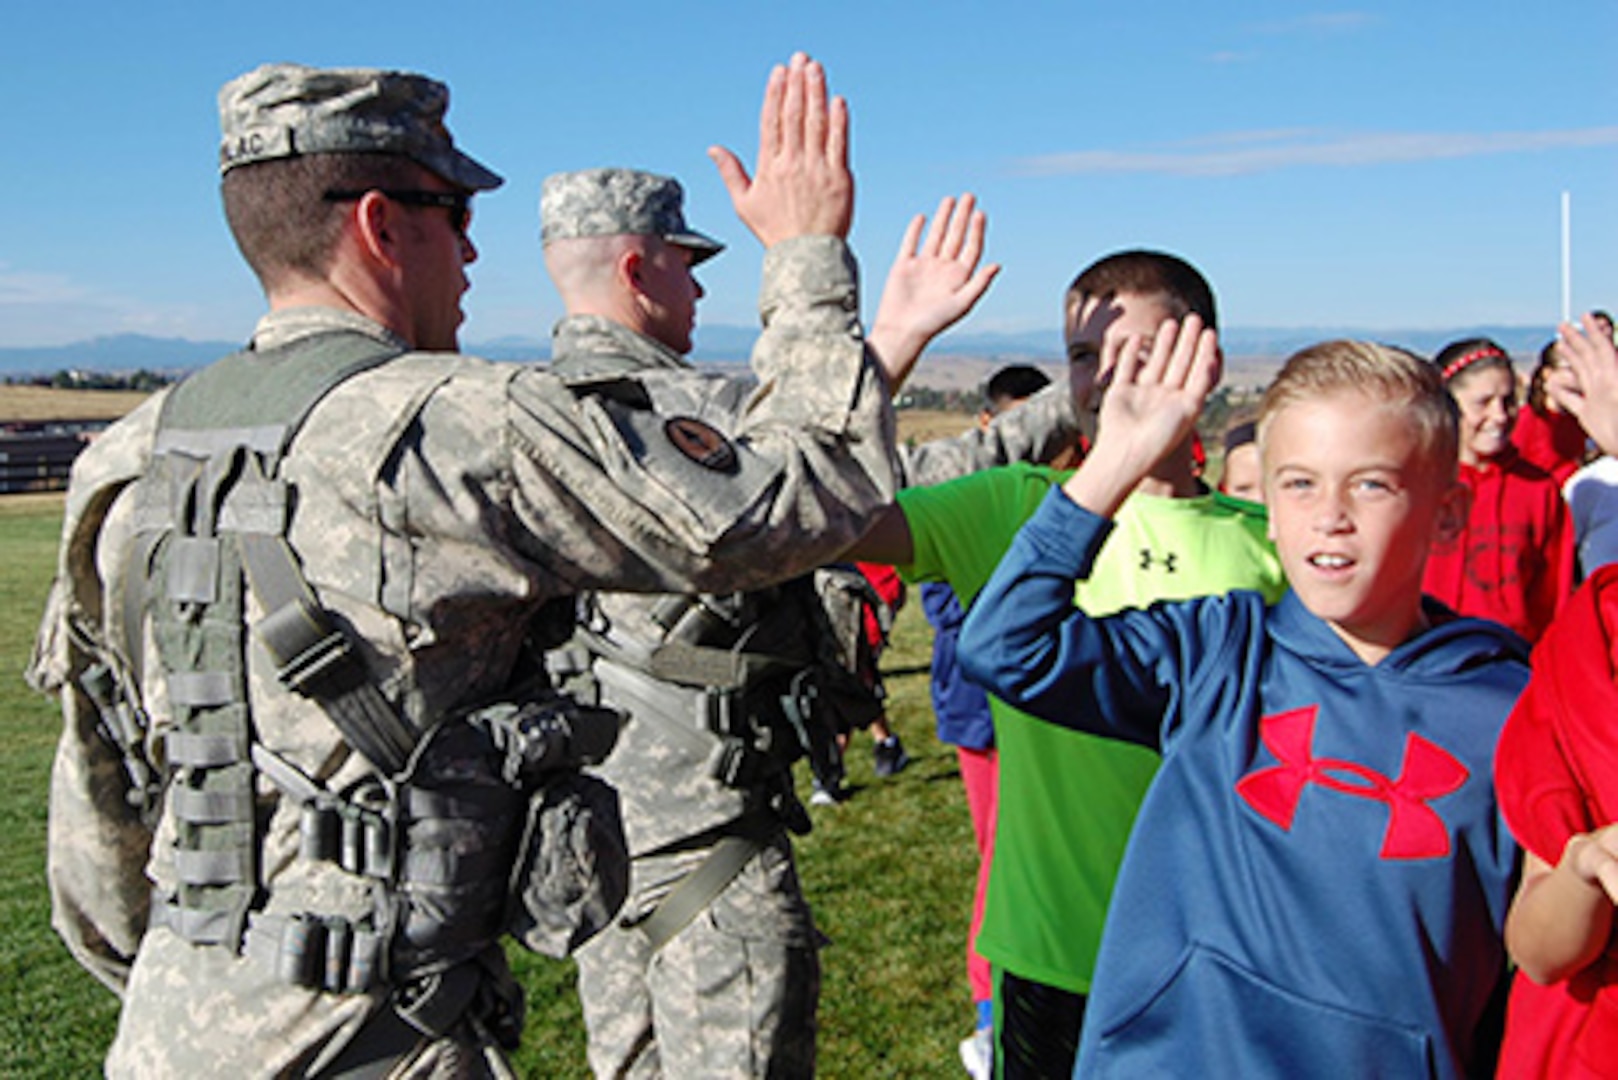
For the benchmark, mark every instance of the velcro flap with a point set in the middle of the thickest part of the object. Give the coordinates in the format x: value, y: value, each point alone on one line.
x: 193, y: 570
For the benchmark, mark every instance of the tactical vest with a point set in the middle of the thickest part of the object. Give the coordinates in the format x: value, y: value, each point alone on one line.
x: 435, y: 831
x: 738, y: 686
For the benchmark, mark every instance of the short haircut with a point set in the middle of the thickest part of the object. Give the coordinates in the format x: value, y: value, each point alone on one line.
x: 1146, y: 273
x: 280, y: 217
x: 1464, y: 358
x: 1240, y: 433
x: 1383, y: 373
x: 1013, y: 383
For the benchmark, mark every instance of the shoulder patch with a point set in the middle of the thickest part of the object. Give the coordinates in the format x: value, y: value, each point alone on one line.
x: 701, y: 442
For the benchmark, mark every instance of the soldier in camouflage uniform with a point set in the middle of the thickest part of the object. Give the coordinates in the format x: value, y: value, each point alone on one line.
x: 713, y: 968
x: 291, y: 905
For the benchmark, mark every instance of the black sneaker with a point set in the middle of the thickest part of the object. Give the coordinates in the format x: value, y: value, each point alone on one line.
x: 889, y: 756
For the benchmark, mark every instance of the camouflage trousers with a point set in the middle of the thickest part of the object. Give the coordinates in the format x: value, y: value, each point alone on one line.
x: 732, y: 995
x: 194, y: 1010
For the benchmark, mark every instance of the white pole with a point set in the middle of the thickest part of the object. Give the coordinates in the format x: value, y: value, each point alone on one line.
x: 1567, y: 256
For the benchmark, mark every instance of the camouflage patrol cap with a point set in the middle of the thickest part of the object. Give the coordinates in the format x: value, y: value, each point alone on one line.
x: 619, y: 202
x: 283, y: 110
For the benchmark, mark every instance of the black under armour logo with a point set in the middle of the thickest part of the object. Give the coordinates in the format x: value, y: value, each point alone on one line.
x: 1147, y: 559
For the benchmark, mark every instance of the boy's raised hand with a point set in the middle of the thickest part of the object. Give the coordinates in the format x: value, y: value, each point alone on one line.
x: 931, y: 286
x: 1150, y: 405
x: 1588, y: 387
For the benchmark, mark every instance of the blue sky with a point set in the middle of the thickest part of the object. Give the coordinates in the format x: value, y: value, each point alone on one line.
x: 1380, y: 165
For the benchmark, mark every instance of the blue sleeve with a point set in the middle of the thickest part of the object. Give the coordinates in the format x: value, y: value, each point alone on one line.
x: 1120, y: 676
x: 1593, y: 503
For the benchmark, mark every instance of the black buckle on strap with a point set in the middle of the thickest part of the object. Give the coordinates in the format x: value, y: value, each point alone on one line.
x: 305, y: 645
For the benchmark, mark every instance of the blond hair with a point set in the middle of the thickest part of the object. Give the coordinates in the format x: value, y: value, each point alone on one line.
x: 1383, y: 373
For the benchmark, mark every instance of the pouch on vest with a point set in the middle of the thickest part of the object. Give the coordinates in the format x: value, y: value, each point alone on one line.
x: 572, y: 870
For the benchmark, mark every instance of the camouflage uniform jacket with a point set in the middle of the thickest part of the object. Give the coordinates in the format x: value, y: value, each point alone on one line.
x: 663, y: 778
x: 440, y: 501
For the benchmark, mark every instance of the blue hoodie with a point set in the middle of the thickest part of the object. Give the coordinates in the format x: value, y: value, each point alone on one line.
x: 962, y: 708
x: 1319, y: 874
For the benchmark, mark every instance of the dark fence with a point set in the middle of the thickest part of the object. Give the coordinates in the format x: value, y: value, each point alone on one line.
x: 40, y: 459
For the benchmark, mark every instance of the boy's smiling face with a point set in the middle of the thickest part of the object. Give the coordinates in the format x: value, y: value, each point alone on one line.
x: 1354, y: 504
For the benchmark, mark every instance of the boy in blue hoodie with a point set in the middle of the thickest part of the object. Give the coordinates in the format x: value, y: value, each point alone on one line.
x: 1317, y: 878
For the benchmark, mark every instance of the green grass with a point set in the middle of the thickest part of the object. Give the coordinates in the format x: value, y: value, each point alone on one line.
x: 889, y: 873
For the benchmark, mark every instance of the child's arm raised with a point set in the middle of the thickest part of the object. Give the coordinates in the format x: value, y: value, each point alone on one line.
x: 1023, y: 638
x: 1150, y: 406
x: 931, y: 286
x: 1588, y: 386
x: 1561, y: 918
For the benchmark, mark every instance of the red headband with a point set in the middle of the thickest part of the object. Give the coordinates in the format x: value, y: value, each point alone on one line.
x: 1466, y: 360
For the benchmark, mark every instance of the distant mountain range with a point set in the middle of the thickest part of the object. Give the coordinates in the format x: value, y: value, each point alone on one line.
x: 722, y: 343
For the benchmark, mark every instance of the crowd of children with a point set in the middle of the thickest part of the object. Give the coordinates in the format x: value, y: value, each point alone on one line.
x: 1237, y: 794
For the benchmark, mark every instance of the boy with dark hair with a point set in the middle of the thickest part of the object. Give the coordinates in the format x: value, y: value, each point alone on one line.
x: 1316, y: 882
x: 1067, y: 800
x: 1010, y: 385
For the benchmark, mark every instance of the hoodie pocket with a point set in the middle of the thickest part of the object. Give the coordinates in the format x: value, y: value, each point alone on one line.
x: 1220, y: 1019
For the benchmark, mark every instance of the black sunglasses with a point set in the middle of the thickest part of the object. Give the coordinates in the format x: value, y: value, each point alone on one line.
x: 458, y: 203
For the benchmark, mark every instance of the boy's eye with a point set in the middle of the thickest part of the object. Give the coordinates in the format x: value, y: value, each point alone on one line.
x: 1294, y: 483
x: 1083, y: 354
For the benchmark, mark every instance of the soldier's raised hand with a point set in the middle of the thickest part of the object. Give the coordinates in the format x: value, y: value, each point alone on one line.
x: 802, y: 184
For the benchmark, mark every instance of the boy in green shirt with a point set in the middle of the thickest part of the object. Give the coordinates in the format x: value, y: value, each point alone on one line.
x: 1067, y: 800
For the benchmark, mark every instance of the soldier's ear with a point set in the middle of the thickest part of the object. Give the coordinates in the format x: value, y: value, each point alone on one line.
x: 629, y: 270
x: 373, y: 222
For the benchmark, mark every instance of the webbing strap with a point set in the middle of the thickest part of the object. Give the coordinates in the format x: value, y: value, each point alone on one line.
x: 698, y: 665
x: 648, y: 699
x: 203, y: 443
x: 200, y: 926
x: 699, y: 888
x: 213, y: 867
x: 141, y: 551
x: 686, y: 664
x: 210, y: 807
x: 314, y: 657
x: 201, y: 689
x: 193, y: 750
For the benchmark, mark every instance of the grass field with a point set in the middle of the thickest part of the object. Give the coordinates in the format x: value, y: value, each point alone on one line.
x: 32, y: 403
x: 890, y: 875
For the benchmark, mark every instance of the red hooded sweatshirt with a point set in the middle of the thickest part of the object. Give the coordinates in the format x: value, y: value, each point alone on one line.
x: 1513, y: 562
x: 1552, y: 440
x: 1556, y: 774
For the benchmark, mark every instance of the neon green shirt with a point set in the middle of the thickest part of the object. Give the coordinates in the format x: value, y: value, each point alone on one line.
x: 1067, y: 800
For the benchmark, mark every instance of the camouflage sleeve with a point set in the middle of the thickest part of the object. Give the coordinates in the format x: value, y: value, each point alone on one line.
x: 687, y: 490
x: 97, y: 844
x: 1036, y: 431
x: 96, y: 849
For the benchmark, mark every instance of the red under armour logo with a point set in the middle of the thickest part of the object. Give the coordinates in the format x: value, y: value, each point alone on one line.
x: 1429, y: 772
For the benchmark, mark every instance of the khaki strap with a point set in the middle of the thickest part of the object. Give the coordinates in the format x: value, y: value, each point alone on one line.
x: 699, y: 888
